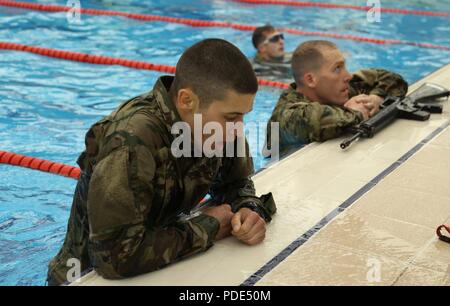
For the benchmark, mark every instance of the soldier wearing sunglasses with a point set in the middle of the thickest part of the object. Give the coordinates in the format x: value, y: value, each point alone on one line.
x: 271, y: 61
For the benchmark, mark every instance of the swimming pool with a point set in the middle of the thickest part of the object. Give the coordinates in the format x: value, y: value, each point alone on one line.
x: 46, y: 105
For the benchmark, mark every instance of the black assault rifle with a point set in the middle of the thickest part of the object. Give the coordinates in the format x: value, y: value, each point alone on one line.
x: 416, y: 106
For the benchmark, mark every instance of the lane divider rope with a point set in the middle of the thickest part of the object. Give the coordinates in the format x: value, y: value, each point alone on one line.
x: 107, y: 60
x: 34, y: 163
x: 210, y: 23
x: 320, y: 5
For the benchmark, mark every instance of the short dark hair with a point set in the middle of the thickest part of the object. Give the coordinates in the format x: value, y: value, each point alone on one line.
x: 308, y: 57
x: 211, y: 67
x: 259, y: 34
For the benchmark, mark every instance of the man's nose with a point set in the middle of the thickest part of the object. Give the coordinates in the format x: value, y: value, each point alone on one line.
x: 348, y: 76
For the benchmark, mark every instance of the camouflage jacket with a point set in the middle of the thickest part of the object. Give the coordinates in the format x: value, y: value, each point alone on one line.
x: 275, y: 70
x: 302, y: 121
x: 124, y: 219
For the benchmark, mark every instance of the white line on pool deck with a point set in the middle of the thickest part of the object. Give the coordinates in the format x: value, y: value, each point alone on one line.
x: 379, y: 229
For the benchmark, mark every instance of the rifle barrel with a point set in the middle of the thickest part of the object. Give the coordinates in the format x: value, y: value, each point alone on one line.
x: 348, y: 142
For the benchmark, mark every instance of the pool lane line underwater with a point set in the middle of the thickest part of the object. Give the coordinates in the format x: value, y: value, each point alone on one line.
x: 107, y: 60
x: 51, y: 8
x: 269, y: 266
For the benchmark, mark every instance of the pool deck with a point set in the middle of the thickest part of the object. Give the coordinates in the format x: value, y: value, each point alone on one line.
x: 364, y: 216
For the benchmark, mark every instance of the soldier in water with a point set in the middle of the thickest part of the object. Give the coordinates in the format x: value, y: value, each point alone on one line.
x: 325, y: 98
x: 271, y: 61
x: 127, y: 216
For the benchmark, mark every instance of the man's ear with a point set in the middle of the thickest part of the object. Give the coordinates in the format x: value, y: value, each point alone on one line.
x: 309, y: 79
x: 186, y: 100
x: 262, y: 49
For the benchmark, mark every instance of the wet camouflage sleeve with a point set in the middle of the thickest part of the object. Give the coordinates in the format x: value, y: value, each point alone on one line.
x: 378, y: 82
x: 122, y: 241
x: 317, y: 122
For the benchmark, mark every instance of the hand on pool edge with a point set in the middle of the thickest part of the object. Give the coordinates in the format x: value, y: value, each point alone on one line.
x: 248, y: 226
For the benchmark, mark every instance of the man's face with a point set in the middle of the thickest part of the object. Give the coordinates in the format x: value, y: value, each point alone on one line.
x: 332, y: 79
x: 273, y: 45
x: 231, y: 109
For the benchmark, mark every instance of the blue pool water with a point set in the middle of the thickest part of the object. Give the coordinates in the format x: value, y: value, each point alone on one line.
x: 46, y: 105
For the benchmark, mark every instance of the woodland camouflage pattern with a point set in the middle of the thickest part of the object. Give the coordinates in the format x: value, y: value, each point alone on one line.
x: 125, y: 217
x: 274, y: 70
x: 302, y: 121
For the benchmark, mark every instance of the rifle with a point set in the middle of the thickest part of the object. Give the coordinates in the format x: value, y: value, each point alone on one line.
x: 416, y: 106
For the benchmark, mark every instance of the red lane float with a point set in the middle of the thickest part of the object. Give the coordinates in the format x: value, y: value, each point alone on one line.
x: 107, y: 60
x: 34, y: 163
x: 14, y: 159
x: 307, y: 4
x: 209, y: 23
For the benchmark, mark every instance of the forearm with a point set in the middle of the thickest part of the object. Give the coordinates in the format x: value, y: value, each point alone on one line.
x: 333, y: 122
x: 136, y: 250
x: 380, y: 82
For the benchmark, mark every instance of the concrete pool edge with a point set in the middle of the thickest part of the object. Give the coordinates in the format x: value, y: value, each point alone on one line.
x: 252, y: 280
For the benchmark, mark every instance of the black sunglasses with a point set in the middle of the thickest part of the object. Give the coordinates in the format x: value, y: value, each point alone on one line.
x: 276, y: 38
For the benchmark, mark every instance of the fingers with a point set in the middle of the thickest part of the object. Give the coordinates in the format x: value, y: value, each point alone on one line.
x: 248, y: 221
x: 362, y: 99
x: 259, y: 228
x: 373, y: 111
x: 377, y: 100
x: 366, y: 115
x: 356, y: 101
x: 372, y: 107
x: 369, y: 104
x: 364, y: 111
x: 257, y: 238
x: 224, y: 215
x: 359, y: 99
x: 252, y: 228
x: 246, y: 225
x: 236, y: 222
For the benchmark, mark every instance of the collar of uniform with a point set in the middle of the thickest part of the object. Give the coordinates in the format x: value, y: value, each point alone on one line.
x: 161, y: 93
x: 284, y: 59
x: 293, y: 95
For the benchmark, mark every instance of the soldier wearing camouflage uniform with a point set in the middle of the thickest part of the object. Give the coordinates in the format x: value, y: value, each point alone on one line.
x: 127, y: 212
x: 271, y: 61
x: 325, y: 99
